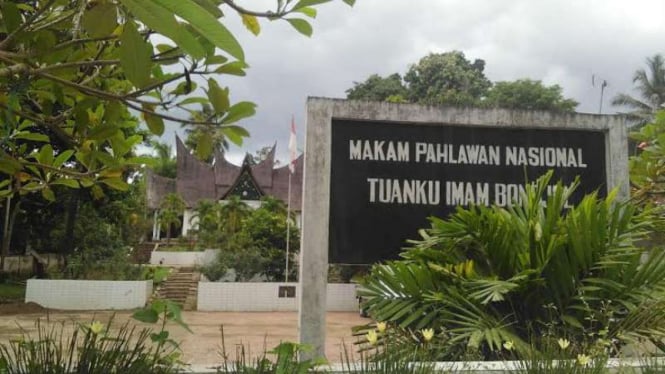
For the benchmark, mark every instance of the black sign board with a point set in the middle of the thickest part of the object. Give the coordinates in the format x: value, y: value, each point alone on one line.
x: 388, y: 177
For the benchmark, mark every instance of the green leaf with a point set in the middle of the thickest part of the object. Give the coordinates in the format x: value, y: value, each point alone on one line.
x: 31, y: 136
x: 71, y: 183
x: 48, y: 194
x: 159, y: 337
x: 10, y: 15
x: 45, y: 155
x: 309, y: 12
x: 116, y: 184
x: 301, y: 25
x: 63, y: 157
x: 163, y: 21
x: 215, y: 60
x: 232, y: 68
x: 251, y: 23
x: 211, y: 7
x: 204, y: 147
x: 239, y: 111
x: 205, y: 24
x: 155, y: 123
x: 135, y: 56
x: 350, y: 2
x: 306, y: 3
x: 194, y: 100
x: 147, y: 315
x: 102, y: 132
x: 100, y: 18
x: 9, y: 165
x: 235, y: 134
x: 219, y: 98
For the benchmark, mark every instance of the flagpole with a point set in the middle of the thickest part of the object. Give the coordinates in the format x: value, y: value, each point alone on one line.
x: 288, y: 229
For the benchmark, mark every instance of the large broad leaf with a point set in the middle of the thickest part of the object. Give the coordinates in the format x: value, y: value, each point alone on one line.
x: 10, y: 15
x: 163, y: 21
x: 147, y: 315
x: 307, y: 3
x: 301, y: 25
x: 239, y: 111
x: 235, y: 134
x: 36, y: 137
x: 116, y: 184
x: 154, y: 122
x: 100, y: 19
x: 219, y: 98
x: 135, y: 56
x: 205, y: 24
x: 232, y: 68
x: 203, y: 147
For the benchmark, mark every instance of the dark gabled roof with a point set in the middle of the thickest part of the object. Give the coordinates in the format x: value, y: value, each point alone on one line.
x: 156, y: 188
x: 198, y: 180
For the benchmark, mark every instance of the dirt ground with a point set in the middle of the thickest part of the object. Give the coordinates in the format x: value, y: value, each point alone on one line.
x: 255, y: 331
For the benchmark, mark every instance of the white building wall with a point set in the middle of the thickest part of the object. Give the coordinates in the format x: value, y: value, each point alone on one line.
x: 88, y: 295
x: 263, y: 297
x: 182, y: 258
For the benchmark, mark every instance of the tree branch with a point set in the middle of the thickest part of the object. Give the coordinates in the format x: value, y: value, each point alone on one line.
x: 239, y: 9
x: 62, y: 171
x: 24, y: 25
x: 59, y: 133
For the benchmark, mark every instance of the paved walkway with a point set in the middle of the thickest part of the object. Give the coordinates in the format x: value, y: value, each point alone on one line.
x: 254, y: 330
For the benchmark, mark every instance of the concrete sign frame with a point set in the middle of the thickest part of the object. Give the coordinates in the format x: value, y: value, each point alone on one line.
x: 317, y: 175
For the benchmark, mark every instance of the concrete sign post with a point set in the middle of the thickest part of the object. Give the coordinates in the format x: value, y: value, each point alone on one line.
x: 375, y: 171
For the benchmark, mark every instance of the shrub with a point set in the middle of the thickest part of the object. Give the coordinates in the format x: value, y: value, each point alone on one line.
x: 488, y: 275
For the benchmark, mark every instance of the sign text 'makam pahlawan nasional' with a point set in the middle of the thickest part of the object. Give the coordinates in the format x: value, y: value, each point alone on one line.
x: 387, y: 178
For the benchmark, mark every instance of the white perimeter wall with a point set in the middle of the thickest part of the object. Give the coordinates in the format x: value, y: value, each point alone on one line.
x: 262, y: 297
x: 182, y: 258
x: 88, y: 295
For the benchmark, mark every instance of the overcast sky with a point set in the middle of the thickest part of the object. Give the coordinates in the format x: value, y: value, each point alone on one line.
x: 561, y: 42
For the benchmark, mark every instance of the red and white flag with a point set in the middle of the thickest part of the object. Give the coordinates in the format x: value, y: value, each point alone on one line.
x: 293, y: 147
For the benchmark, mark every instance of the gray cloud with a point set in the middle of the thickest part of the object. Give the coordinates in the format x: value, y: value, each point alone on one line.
x: 558, y: 41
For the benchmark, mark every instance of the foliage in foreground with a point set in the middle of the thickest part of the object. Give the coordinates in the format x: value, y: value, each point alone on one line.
x: 488, y: 275
x: 90, y: 349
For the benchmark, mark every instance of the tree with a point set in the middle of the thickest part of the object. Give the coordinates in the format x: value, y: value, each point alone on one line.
x: 205, y: 140
x: 70, y: 71
x: 650, y: 85
x: 376, y: 88
x: 170, y: 211
x: 165, y: 164
x: 447, y: 79
x: 529, y: 95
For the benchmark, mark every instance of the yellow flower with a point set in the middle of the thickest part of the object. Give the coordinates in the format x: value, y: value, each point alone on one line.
x: 583, y: 360
x: 428, y: 334
x: 96, y: 327
x: 372, y: 338
x: 563, y: 343
x: 508, y: 345
x: 381, y: 326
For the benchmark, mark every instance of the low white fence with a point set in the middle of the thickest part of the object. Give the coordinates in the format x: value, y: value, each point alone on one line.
x: 269, y: 297
x: 87, y: 294
x: 182, y: 258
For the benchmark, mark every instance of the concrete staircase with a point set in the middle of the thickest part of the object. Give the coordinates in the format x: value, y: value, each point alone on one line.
x: 181, y: 286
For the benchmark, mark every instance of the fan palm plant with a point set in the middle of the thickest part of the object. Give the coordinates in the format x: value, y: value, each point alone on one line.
x: 650, y: 84
x: 489, y: 275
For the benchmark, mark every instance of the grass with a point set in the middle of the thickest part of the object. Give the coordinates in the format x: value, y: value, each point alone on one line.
x: 12, y: 291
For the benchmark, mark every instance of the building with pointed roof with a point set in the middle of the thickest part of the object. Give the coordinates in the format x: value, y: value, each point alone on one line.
x: 197, y: 180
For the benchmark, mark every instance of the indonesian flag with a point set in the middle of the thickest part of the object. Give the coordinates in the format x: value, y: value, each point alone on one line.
x: 293, y: 146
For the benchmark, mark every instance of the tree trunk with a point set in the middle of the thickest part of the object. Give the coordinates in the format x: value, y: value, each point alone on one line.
x: 10, y: 219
